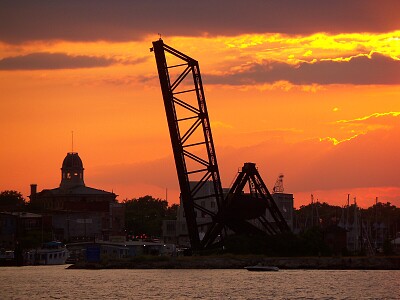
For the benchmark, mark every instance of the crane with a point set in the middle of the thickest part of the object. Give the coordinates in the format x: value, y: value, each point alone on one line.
x: 278, y: 187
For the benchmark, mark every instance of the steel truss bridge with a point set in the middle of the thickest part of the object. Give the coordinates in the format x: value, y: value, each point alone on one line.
x: 196, y: 160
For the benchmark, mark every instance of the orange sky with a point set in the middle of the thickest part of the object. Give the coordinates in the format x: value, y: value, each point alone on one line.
x: 320, y: 106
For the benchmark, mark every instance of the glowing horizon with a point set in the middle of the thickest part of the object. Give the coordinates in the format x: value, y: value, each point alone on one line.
x: 319, y: 106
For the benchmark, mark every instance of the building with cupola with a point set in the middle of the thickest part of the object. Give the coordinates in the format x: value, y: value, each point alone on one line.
x: 79, y: 212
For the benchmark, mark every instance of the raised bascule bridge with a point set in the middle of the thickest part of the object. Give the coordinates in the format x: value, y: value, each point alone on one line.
x: 243, y: 209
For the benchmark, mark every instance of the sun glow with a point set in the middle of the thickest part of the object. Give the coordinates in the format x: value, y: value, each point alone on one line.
x: 320, y: 45
x: 116, y: 110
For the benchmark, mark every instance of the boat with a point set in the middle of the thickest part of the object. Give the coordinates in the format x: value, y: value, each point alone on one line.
x: 7, y: 258
x: 51, y: 253
x: 260, y: 268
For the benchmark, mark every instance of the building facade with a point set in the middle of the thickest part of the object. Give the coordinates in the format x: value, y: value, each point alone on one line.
x: 22, y: 227
x: 285, y: 203
x: 79, y: 212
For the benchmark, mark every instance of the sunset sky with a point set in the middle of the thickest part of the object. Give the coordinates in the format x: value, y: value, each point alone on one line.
x: 310, y: 89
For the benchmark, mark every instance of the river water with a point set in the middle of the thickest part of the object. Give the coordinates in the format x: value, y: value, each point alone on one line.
x: 56, y: 282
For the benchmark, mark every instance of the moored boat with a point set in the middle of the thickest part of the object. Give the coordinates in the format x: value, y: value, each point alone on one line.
x: 51, y: 253
x: 260, y: 268
x: 7, y: 258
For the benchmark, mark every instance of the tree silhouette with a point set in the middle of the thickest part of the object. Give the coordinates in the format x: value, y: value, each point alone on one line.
x: 11, y: 200
x: 144, y: 215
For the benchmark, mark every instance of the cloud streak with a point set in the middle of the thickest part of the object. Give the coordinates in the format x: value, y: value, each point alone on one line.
x: 53, y: 61
x: 374, y: 115
x: 125, y: 20
x: 363, y: 125
x: 336, y: 142
x: 360, y: 70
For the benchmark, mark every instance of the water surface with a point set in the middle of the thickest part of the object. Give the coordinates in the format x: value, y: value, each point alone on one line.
x: 56, y: 282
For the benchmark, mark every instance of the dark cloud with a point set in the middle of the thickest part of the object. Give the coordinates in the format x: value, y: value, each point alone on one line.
x: 378, y: 69
x: 52, y: 61
x: 124, y: 20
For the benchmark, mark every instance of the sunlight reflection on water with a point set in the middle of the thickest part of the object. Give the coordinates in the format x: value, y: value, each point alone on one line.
x: 55, y: 282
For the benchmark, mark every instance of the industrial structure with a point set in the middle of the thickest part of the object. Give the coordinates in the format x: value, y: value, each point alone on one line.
x: 242, y: 209
x: 176, y: 232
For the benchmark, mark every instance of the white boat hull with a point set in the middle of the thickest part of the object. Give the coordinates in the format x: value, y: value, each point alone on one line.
x: 56, y: 255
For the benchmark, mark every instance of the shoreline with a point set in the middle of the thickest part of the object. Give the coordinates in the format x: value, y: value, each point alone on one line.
x: 239, y: 262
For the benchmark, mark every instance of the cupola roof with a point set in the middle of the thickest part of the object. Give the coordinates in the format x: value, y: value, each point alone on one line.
x: 72, y: 171
x: 72, y: 161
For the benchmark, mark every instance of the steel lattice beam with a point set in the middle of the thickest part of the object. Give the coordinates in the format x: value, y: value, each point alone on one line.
x: 249, y: 175
x: 182, y: 149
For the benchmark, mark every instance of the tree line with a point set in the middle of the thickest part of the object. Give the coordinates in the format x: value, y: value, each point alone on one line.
x: 144, y: 215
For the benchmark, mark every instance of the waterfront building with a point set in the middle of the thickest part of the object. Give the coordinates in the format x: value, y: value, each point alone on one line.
x: 175, y: 231
x: 8, y: 230
x: 21, y: 226
x: 79, y: 212
x: 285, y: 203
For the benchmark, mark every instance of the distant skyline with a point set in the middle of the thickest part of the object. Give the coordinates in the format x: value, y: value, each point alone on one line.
x: 309, y: 89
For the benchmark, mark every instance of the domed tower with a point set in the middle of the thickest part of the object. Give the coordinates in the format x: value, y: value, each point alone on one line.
x: 72, y: 171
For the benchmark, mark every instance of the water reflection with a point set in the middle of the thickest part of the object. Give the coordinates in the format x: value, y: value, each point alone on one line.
x: 56, y: 282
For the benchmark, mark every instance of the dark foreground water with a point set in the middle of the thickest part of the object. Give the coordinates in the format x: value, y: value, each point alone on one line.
x: 56, y: 282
